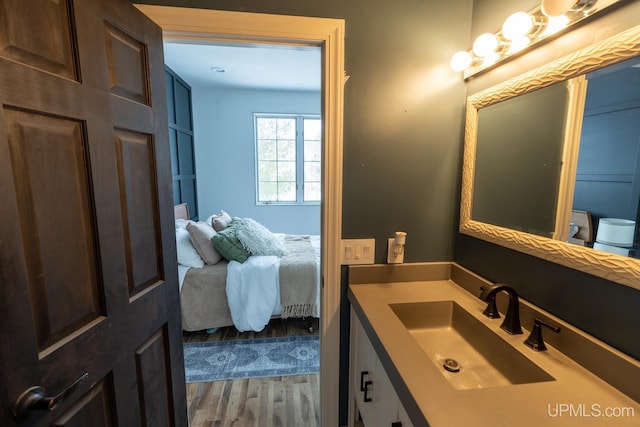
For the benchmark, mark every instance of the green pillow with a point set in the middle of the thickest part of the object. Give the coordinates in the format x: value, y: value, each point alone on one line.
x: 228, y: 244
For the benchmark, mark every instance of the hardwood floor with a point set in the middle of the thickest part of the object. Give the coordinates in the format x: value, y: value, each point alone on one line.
x: 278, y: 401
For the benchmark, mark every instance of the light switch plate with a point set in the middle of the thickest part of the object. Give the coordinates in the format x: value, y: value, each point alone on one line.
x: 357, y: 251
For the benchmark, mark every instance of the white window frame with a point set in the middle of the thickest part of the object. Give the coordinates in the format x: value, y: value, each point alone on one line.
x: 299, y: 158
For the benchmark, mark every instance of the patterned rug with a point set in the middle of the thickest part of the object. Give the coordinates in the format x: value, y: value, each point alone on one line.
x: 253, y: 358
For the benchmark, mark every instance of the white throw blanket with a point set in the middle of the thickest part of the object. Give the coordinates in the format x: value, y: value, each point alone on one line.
x: 253, y: 291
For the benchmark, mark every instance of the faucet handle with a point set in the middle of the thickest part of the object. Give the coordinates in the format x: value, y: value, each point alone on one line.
x: 535, y: 340
x: 492, y: 310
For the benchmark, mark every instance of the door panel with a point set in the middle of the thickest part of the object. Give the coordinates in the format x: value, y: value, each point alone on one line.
x: 153, y: 374
x: 93, y: 409
x: 51, y: 47
x: 47, y: 160
x: 136, y: 174
x: 127, y: 64
x: 87, y: 249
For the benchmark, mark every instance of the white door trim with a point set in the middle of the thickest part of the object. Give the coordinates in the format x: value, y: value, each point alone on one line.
x: 179, y: 23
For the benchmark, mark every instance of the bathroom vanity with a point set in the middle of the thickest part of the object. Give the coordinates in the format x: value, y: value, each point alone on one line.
x: 423, y: 353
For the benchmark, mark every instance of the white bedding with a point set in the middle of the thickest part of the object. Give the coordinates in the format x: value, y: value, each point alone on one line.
x: 253, y: 289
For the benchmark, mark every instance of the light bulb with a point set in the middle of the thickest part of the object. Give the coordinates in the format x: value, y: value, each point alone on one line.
x: 485, y: 45
x: 461, y: 60
x: 517, y: 26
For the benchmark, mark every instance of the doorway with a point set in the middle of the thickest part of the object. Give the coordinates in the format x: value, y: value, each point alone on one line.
x: 195, y: 24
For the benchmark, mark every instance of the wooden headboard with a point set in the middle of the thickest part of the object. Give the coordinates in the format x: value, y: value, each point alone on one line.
x: 181, y: 211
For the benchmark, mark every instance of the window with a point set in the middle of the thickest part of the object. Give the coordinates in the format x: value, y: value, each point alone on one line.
x: 288, y: 159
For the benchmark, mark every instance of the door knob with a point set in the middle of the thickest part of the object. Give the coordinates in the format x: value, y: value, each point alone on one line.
x: 35, y: 399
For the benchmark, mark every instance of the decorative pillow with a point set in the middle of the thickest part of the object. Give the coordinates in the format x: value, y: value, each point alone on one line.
x: 221, y: 221
x: 187, y: 254
x: 228, y: 244
x: 258, y: 240
x: 200, y: 234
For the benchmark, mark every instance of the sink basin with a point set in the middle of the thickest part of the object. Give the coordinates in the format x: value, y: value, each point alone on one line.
x: 469, y: 355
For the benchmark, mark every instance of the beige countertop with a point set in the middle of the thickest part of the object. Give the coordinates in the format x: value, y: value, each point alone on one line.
x: 576, y: 397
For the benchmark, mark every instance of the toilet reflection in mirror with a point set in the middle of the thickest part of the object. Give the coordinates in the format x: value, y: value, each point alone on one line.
x: 607, y: 183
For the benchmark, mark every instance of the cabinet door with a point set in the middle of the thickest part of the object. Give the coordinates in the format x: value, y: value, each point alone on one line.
x: 385, y: 400
x: 382, y: 406
x: 403, y: 417
x: 364, y: 370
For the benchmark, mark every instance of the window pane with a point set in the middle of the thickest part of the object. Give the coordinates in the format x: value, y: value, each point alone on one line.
x: 266, y: 128
x: 268, y: 192
x: 268, y: 171
x: 312, y: 192
x: 287, y: 128
x: 287, y: 191
x: 312, y: 129
x: 287, y: 149
x: 312, y: 171
x: 287, y: 171
x: 267, y: 149
x: 312, y: 150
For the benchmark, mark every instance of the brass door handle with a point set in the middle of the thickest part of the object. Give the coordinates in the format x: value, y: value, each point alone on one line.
x: 35, y: 399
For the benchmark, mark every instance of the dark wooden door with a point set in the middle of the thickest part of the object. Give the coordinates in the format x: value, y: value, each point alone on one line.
x: 88, y: 281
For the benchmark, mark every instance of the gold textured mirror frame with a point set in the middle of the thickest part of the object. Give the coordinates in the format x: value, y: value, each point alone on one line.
x: 616, y: 268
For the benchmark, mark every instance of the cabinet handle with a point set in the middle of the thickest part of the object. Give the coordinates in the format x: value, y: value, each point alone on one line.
x: 366, y: 390
x: 362, y: 374
x: 396, y: 424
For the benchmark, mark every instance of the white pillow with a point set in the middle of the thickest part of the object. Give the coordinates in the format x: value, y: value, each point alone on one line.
x: 258, y: 240
x: 187, y: 254
x: 182, y: 223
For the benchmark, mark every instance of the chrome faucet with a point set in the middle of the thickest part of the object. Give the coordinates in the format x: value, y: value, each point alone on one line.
x: 511, y: 322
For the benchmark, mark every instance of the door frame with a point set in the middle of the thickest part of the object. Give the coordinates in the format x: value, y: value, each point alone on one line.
x: 206, y: 25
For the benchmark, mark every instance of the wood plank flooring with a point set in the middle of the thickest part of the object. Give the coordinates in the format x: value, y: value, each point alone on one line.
x: 262, y: 402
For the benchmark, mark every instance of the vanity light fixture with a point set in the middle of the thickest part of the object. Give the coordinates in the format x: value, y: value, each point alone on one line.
x: 522, y: 30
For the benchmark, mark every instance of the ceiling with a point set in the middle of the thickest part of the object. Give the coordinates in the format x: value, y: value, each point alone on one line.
x: 246, y: 66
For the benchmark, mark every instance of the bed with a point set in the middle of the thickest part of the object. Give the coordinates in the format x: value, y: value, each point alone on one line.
x: 244, y: 293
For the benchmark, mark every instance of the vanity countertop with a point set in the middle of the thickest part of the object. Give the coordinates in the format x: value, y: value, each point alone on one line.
x: 576, y: 397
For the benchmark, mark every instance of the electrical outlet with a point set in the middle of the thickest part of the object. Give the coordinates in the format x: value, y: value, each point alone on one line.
x: 357, y: 251
x: 392, y: 256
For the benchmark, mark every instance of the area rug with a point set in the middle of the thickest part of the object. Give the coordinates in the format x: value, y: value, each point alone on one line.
x: 253, y: 358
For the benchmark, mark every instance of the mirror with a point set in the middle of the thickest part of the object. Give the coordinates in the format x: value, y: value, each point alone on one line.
x: 522, y: 174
